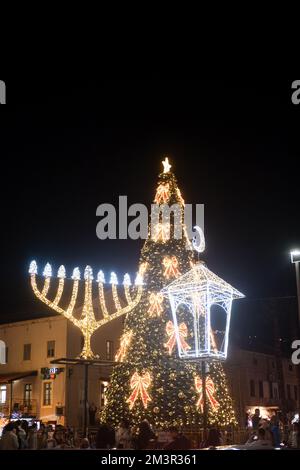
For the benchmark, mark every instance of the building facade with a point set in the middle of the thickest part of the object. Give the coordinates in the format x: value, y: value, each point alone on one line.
x: 262, y: 381
x: 31, y: 385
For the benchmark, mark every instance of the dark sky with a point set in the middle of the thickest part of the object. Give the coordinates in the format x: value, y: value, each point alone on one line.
x: 67, y: 147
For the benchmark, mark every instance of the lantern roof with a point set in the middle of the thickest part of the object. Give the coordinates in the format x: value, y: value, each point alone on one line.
x: 200, y: 278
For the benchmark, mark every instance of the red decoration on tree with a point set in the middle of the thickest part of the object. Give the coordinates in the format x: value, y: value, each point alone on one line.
x: 210, y: 391
x: 139, y: 384
x: 155, y: 301
x: 171, y: 267
x: 162, y: 194
x: 183, y: 332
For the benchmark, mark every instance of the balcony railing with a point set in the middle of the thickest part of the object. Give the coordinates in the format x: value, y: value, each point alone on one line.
x: 20, y: 407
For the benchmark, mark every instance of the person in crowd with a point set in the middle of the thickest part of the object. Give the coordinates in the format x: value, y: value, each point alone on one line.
x: 92, y: 414
x: 85, y: 444
x: 123, y: 435
x: 32, y: 437
x: 214, y: 438
x: 256, y: 419
x: 9, y: 439
x: 178, y: 440
x: 21, y: 434
x: 294, y: 437
x: 275, y: 431
x: 266, y: 425
x: 105, y: 438
x: 50, y: 441
x: 144, y: 436
x: 261, y: 442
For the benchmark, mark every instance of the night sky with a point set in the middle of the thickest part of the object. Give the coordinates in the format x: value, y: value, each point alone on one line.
x: 68, y: 148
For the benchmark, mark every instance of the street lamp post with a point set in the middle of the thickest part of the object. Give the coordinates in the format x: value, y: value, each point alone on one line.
x: 295, y: 258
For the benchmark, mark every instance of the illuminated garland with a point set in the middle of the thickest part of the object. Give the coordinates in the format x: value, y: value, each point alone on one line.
x: 161, y: 232
x: 162, y: 194
x: 124, y: 344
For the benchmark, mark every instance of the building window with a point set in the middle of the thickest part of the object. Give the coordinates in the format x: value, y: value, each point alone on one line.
x: 50, y: 348
x: 252, y: 388
x: 288, y: 391
x: 273, y: 364
x: 271, y: 390
x: 109, y: 350
x: 261, y: 389
x: 103, y: 388
x: 2, y: 352
x: 291, y: 367
x: 6, y: 355
x: 27, y: 393
x: 296, y: 392
x: 27, y: 352
x: 3, y: 392
x: 47, y: 391
x: 275, y: 390
x: 255, y: 361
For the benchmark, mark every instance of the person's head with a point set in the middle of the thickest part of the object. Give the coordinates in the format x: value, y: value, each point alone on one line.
x: 11, y: 427
x: 261, y: 434
x: 264, y: 424
x: 257, y: 412
x: 144, y: 426
x: 85, y: 443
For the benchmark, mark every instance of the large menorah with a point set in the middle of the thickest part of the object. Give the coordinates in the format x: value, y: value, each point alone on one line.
x: 87, y: 322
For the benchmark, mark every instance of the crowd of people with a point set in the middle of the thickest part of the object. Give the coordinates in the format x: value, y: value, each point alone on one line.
x: 263, y: 433
x: 275, y: 432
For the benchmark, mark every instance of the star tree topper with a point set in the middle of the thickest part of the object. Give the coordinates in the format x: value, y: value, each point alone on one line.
x: 166, y: 165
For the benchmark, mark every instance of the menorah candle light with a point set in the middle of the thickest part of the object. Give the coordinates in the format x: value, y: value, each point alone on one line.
x: 87, y: 322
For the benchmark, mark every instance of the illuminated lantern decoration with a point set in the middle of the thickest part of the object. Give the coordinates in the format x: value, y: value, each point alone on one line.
x: 139, y: 385
x: 124, y: 343
x: 155, y: 301
x: 196, y: 292
x: 171, y: 267
x: 162, y: 194
x: 210, y: 392
x: 171, y: 332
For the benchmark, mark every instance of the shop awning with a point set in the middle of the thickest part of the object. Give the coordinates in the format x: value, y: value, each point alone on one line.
x: 8, y: 378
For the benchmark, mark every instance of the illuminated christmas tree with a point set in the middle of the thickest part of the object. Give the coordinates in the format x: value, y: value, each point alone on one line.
x: 150, y: 381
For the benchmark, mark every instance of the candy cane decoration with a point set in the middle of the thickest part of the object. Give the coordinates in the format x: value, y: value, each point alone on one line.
x: 171, y: 267
x: 155, y: 301
x: 139, y: 385
x: 170, y: 329
x: 210, y: 391
x: 162, y: 194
